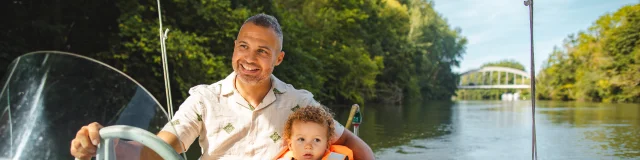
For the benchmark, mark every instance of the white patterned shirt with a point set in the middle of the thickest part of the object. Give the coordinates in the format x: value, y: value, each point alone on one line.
x: 230, y: 128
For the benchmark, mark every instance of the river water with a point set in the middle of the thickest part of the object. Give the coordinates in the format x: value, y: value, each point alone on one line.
x: 500, y: 130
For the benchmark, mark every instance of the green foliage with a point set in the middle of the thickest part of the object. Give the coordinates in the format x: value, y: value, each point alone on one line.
x: 343, y: 51
x: 506, y: 63
x: 420, y: 63
x: 600, y: 64
x: 195, y: 49
x: 82, y: 27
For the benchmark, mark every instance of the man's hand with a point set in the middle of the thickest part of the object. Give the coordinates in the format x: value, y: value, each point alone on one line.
x: 85, y: 144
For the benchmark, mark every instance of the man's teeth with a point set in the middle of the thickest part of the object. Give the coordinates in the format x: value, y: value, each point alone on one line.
x: 249, y: 68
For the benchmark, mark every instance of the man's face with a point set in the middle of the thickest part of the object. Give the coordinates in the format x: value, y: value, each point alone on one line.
x: 309, y: 140
x: 255, y: 54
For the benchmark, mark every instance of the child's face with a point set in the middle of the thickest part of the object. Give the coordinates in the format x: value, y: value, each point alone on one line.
x: 308, y: 140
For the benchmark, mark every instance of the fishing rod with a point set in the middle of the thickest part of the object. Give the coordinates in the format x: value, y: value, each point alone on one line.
x: 534, y: 149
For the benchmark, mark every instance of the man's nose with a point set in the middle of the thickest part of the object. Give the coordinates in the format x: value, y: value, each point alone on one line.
x: 251, y: 57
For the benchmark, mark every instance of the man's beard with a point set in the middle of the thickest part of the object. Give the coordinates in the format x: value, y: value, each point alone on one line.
x: 252, y: 80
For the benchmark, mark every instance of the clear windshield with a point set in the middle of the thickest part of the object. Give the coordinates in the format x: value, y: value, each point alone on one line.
x: 47, y: 96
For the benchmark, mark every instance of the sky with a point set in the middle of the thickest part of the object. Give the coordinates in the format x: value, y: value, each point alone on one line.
x: 499, y: 29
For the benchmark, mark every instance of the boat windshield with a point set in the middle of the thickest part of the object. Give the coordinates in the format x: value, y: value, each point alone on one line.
x: 48, y: 96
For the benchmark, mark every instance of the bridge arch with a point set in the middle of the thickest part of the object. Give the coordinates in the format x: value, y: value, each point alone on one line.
x: 492, y: 77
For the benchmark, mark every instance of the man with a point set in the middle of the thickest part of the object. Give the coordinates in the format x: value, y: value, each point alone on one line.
x: 242, y: 116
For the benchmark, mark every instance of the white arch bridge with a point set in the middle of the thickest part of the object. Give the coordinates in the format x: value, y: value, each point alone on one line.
x: 494, y: 78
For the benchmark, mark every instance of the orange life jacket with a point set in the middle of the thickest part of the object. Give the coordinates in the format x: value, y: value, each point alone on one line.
x: 335, y: 151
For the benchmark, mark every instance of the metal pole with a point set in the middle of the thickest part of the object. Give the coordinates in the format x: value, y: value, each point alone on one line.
x: 163, y: 50
x: 357, y: 120
x: 165, y: 69
x: 499, y: 77
x: 483, y: 78
x: 355, y: 129
x: 514, y: 79
x: 506, y: 78
x: 491, y: 78
x: 534, y: 150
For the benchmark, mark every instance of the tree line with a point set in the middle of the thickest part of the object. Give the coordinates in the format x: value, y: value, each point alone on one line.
x: 596, y: 65
x: 599, y: 64
x: 343, y: 51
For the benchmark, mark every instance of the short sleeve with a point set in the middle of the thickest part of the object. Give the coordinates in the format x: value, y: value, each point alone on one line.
x: 187, y: 121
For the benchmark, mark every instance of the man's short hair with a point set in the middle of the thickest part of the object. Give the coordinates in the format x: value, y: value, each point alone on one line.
x: 265, y: 20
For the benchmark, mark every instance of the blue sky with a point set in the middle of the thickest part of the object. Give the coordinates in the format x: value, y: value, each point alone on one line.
x: 499, y: 29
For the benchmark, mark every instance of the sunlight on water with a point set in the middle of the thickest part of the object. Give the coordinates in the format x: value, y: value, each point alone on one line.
x: 500, y: 130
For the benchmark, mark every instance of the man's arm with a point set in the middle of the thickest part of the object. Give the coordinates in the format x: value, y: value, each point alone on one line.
x: 128, y: 149
x: 360, y: 149
x: 87, y: 138
x: 168, y: 137
x: 172, y: 140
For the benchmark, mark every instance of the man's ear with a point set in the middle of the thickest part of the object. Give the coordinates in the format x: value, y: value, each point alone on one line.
x: 279, y: 58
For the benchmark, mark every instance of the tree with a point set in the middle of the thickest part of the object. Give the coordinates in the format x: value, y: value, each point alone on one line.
x: 342, y: 51
x: 599, y: 64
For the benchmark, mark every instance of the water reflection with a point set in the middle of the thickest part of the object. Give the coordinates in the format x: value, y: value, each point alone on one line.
x: 386, y: 126
x: 611, y: 130
x: 500, y: 130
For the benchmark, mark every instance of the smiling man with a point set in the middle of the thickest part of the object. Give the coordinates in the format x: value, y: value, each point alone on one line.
x: 241, y: 116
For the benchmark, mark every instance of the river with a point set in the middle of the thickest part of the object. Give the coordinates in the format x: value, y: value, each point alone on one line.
x: 500, y: 130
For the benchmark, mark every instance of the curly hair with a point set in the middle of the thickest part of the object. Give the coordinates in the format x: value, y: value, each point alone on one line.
x: 317, y: 114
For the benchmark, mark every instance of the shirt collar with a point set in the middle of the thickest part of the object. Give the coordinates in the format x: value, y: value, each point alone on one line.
x: 228, y: 85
